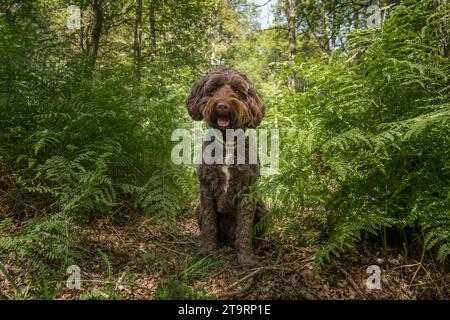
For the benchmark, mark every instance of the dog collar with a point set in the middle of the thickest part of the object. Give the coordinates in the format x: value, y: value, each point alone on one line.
x: 226, y: 143
x: 218, y: 138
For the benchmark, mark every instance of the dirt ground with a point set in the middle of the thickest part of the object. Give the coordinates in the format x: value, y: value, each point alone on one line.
x: 138, y: 260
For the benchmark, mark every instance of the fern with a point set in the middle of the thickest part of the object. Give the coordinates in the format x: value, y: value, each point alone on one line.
x: 179, y: 287
x: 381, y: 125
x: 108, y: 264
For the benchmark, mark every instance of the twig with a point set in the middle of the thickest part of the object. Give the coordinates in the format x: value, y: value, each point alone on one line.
x: 161, y: 245
x: 352, y: 57
x: 248, y: 276
x: 169, y: 249
x: 263, y: 5
x: 431, y: 282
x: 406, y: 266
x: 119, y: 280
x: 178, y: 240
x: 350, y: 279
x: 419, y: 266
x: 85, y: 280
x: 251, y: 275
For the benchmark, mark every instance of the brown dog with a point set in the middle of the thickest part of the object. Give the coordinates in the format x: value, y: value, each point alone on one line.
x: 226, y: 99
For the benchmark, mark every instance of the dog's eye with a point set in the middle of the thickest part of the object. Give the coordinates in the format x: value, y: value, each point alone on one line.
x: 243, y: 95
x: 209, y: 91
x: 241, y: 92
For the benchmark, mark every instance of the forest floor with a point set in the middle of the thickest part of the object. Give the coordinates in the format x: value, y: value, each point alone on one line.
x: 136, y: 260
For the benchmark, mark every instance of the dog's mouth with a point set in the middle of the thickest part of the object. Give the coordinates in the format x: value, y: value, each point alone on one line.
x: 223, y: 120
x: 223, y: 123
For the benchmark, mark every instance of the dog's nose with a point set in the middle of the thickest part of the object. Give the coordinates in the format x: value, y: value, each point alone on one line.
x: 222, y: 106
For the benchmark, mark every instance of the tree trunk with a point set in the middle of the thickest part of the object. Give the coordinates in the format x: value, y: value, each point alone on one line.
x: 289, y: 10
x: 96, y: 31
x: 326, y: 26
x: 152, y: 27
x: 138, y: 40
x: 335, y: 26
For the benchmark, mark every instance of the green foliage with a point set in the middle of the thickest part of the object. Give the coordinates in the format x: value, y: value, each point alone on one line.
x: 381, y: 125
x: 42, y: 250
x: 365, y: 144
x: 179, y: 285
x: 44, y: 241
x: 83, y: 143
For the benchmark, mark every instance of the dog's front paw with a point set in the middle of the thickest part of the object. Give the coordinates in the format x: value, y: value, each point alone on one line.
x: 248, y: 260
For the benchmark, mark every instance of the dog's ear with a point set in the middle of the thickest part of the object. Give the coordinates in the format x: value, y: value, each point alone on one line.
x: 194, y: 103
x: 256, y: 106
x: 255, y: 111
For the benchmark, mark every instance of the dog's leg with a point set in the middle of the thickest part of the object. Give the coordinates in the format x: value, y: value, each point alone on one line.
x: 208, y: 222
x: 244, y: 225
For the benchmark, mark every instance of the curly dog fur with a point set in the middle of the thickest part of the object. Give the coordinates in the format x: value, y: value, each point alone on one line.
x: 226, y: 99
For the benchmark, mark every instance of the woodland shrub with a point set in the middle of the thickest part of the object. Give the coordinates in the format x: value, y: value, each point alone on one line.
x: 380, y: 124
x: 79, y: 145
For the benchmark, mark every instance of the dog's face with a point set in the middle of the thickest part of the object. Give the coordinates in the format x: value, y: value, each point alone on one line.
x: 226, y: 99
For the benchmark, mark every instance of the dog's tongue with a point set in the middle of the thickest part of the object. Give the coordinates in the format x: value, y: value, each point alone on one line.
x: 222, y: 122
